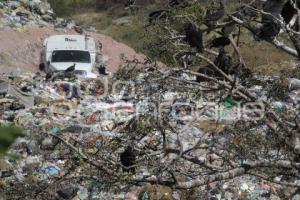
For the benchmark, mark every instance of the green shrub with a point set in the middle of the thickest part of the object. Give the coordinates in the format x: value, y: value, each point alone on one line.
x: 7, y: 136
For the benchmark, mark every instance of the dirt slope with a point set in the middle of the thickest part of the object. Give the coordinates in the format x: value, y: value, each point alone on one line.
x: 20, y: 50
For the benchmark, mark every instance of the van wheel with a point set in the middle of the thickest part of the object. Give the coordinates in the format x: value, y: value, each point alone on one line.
x: 41, y: 66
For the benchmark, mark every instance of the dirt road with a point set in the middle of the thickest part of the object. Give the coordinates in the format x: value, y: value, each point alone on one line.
x: 19, y: 51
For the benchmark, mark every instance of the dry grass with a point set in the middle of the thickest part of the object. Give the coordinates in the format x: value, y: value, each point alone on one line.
x: 100, y: 21
x: 130, y: 34
x: 261, y: 57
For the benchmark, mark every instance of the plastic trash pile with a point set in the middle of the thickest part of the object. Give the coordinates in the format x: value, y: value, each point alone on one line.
x: 22, y: 14
x: 45, y: 109
x: 68, y: 120
x: 81, y: 113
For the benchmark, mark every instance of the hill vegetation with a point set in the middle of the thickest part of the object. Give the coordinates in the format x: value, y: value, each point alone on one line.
x: 127, y: 24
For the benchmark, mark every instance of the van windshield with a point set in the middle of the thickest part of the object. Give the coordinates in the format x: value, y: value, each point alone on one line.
x: 71, y: 56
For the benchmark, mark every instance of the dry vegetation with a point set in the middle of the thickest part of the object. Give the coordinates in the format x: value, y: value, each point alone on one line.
x: 264, y: 58
x: 260, y: 56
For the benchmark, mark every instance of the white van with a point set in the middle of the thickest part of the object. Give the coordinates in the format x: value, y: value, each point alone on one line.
x: 62, y: 51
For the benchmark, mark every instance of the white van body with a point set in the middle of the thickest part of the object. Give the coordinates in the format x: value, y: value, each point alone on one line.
x: 63, y: 51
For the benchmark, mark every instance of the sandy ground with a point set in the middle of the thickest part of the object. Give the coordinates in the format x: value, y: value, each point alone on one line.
x: 19, y: 51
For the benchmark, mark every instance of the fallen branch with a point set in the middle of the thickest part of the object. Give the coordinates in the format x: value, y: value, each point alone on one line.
x: 94, y: 163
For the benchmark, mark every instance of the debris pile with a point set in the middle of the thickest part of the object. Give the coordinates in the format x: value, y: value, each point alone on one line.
x: 23, y: 14
x: 97, y: 138
x: 55, y: 111
x: 148, y: 132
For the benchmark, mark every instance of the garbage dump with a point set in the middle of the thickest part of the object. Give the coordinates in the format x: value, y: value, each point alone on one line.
x: 24, y: 14
x: 73, y: 141
x: 147, y: 132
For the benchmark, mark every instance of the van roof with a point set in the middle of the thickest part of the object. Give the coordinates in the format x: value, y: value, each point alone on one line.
x: 70, y: 42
